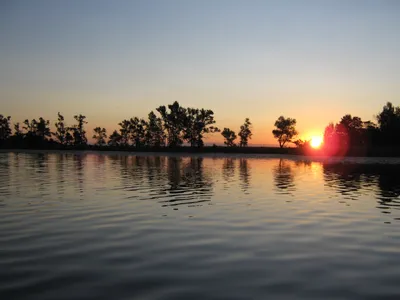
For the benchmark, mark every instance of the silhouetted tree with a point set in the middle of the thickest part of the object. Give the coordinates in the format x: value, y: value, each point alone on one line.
x: 16, y: 140
x: 79, y: 132
x: 17, y: 130
x: 350, y: 130
x: 336, y: 139
x: 302, y: 143
x: 285, y: 130
x: 124, y: 132
x: 61, y: 130
x: 155, y: 135
x: 100, y: 135
x: 369, y: 125
x: 330, y: 138
x: 197, y: 122
x: 134, y: 131
x: 173, y: 123
x: 115, y: 139
x: 388, y: 117
x: 5, y: 129
x: 69, y: 138
x: 245, y: 133
x: 36, y: 132
x: 176, y: 124
x: 351, y: 123
x: 229, y: 136
x: 43, y: 128
x: 389, y: 124
x: 371, y: 133
x: 30, y: 128
x: 137, y: 131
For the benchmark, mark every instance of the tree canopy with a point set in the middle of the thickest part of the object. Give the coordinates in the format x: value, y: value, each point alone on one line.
x: 100, y: 135
x: 5, y: 129
x: 229, y: 136
x: 285, y: 130
x: 245, y: 133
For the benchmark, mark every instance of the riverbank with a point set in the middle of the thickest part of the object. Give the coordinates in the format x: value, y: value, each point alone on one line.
x: 351, y: 152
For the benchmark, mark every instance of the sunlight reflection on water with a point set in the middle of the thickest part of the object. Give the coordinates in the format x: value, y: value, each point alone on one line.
x: 102, y: 226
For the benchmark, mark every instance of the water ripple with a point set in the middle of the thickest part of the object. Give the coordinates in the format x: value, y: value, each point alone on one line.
x: 98, y: 226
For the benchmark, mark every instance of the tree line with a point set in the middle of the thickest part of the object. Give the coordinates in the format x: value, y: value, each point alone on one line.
x: 352, y: 132
x: 349, y: 134
x: 168, y: 126
x: 174, y: 126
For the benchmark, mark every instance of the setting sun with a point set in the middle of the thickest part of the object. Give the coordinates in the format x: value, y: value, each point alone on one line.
x: 316, y: 141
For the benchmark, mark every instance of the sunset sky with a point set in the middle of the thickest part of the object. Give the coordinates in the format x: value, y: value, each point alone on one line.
x: 111, y: 60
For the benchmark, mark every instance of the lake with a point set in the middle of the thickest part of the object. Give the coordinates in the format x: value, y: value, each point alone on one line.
x: 118, y: 226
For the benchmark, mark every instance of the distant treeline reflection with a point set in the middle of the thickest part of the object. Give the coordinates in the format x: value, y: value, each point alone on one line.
x: 191, y: 181
x: 350, y: 179
x: 174, y: 180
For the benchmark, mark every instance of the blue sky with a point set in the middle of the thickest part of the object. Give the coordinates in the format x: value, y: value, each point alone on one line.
x: 110, y: 60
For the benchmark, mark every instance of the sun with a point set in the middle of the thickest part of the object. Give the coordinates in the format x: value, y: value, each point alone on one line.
x: 316, y: 141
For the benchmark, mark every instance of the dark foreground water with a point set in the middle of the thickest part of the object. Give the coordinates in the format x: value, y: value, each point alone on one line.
x: 96, y: 226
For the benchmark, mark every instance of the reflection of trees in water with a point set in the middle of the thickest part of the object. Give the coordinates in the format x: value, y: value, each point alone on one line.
x: 356, y: 179
x: 40, y: 162
x: 193, y: 173
x: 284, y: 177
x: 188, y: 184
x: 244, y: 174
x: 154, y: 169
x: 228, y: 171
x: 79, y: 172
x: 61, y: 161
x: 6, y: 178
x: 345, y: 178
x: 124, y: 167
x: 170, y: 180
x: 19, y: 165
x: 133, y: 171
x: 100, y: 160
x: 27, y: 174
x: 303, y: 163
x: 137, y: 171
x: 40, y: 166
x: 174, y: 172
x: 389, y: 184
x: 389, y: 189
x: 32, y: 175
x: 16, y: 175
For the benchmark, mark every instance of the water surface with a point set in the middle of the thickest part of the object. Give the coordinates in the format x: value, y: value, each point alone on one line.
x: 114, y: 226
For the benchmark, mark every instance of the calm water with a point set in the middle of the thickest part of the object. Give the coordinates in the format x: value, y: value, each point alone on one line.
x: 96, y: 226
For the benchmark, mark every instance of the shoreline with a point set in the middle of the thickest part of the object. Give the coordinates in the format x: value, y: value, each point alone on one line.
x: 218, y: 155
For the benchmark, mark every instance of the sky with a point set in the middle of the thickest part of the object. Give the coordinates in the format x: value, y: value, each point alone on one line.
x: 314, y: 61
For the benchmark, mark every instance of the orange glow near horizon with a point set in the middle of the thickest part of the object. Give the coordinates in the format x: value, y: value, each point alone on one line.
x: 316, y: 141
